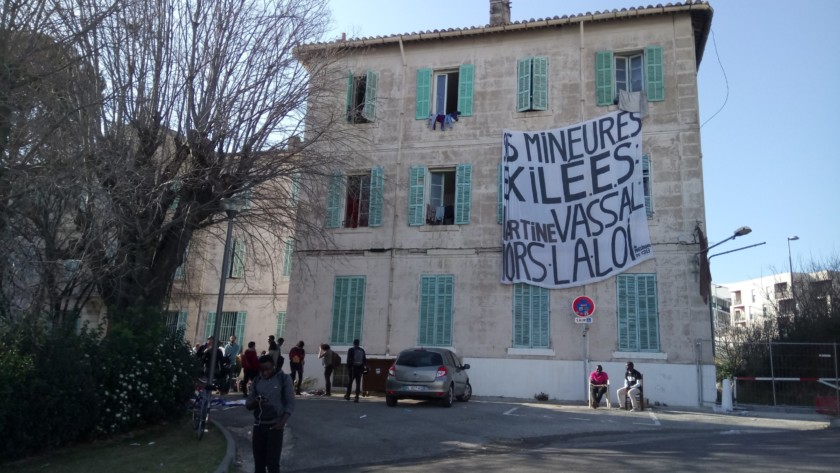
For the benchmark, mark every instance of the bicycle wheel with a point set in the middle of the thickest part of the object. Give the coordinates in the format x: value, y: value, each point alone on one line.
x: 203, y: 417
x: 196, y: 410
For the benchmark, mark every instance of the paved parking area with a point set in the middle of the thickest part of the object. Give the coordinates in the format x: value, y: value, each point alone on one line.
x: 330, y: 432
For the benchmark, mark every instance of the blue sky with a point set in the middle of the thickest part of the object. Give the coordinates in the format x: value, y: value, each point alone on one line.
x: 769, y: 158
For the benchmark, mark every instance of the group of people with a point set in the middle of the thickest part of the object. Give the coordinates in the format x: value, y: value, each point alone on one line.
x: 632, y: 383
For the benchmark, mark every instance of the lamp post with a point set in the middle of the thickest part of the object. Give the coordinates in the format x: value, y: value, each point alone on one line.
x: 790, y: 265
x: 231, y: 206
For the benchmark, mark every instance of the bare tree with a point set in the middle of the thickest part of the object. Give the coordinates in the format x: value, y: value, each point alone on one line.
x: 195, y: 101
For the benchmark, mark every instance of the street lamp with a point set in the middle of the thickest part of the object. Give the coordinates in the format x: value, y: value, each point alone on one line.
x: 790, y: 265
x: 231, y: 206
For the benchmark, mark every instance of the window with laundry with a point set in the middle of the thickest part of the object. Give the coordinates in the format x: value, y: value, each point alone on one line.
x: 440, y: 195
x: 361, y: 97
x: 355, y: 200
x: 638, y: 73
x: 445, y: 91
x: 532, y: 84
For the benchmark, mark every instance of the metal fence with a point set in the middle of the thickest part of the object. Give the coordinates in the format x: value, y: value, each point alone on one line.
x: 791, y: 374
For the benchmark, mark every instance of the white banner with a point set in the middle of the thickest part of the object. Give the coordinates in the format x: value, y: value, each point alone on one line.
x: 574, y: 202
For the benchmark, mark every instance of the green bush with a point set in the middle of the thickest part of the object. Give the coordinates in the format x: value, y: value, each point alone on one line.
x: 58, y: 386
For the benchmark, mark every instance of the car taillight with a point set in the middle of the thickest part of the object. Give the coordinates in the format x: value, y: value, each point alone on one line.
x: 392, y: 371
x: 441, y: 372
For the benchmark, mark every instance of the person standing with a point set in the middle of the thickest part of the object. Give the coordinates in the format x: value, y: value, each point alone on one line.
x: 356, y: 362
x: 250, y: 366
x: 272, y: 400
x: 231, y: 352
x: 327, y: 357
x: 632, y: 383
x: 598, y: 384
x: 297, y: 357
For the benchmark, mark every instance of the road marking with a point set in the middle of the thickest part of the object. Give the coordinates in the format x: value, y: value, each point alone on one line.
x: 510, y: 412
x: 655, y: 420
x: 579, y: 418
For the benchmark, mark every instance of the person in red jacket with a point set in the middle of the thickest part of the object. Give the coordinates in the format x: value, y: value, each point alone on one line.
x: 598, y: 382
x: 250, y: 367
x: 296, y: 359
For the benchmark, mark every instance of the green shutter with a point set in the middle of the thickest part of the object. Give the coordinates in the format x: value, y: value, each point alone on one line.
x: 181, y: 270
x: 540, y: 83
x: 182, y: 321
x: 648, y: 313
x: 369, y: 110
x: 638, y: 313
x: 377, y: 183
x: 500, y: 208
x: 655, y: 74
x: 530, y: 316
x: 463, y: 193
x: 281, y: 324
x: 237, y: 268
x: 523, y: 85
x: 424, y: 94
x: 435, y: 318
x: 350, y: 98
x: 176, y: 188
x: 648, y: 188
x: 211, y: 324
x: 466, y: 77
x: 417, y: 195
x: 240, y: 327
x: 288, y: 250
x: 604, y: 78
x: 295, y: 188
x: 348, y: 309
x: 334, y: 200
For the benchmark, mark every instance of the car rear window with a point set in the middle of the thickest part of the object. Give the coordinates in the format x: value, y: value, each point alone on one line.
x: 419, y: 358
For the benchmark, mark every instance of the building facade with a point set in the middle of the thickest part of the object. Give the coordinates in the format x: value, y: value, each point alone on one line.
x: 418, y: 227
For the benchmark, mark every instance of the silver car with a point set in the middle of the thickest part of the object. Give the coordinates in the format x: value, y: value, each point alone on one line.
x: 428, y: 373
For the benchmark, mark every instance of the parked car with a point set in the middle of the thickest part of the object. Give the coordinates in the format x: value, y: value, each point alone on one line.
x: 428, y: 373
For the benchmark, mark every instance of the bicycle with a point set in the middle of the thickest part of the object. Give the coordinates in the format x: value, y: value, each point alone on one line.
x: 201, y: 409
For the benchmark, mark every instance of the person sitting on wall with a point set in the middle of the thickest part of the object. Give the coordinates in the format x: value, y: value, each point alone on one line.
x: 598, y: 385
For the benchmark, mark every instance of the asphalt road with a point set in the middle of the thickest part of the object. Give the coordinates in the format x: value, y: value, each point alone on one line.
x: 493, y: 434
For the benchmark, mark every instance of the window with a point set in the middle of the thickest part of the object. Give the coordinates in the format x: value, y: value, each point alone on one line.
x: 530, y: 316
x: 355, y: 200
x: 231, y: 323
x: 436, y: 298
x: 237, y: 259
x: 361, y: 97
x: 633, y: 72
x: 752, y: 295
x: 532, y: 84
x: 181, y: 270
x: 348, y: 309
x: 647, y: 185
x: 288, y: 249
x: 780, y: 290
x: 175, y: 321
x: 444, y: 91
x: 638, y: 313
x: 440, y: 196
x: 281, y: 324
x: 736, y: 297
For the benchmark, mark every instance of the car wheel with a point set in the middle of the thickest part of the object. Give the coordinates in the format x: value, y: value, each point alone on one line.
x: 391, y: 401
x: 467, y: 393
x: 449, y: 397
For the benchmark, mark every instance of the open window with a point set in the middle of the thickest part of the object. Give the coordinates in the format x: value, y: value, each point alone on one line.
x: 361, y: 97
x: 532, y: 84
x: 631, y: 71
x: 355, y: 200
x: 440, y: 195
x: 445, y: 91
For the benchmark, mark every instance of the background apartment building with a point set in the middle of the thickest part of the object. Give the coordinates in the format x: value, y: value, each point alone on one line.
x: 418, y: 229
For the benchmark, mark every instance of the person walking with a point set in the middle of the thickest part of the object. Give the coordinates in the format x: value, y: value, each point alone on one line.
x: 297, y: 356
x: 272, y: 401
x: 356, y: 362
x: 250, y: 366
x: 231, y: 352
x: 327, y: 357
x: 598, y: 384
x: 632, y: 383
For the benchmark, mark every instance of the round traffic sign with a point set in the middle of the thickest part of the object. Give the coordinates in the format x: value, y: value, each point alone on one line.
x: 583, y: 306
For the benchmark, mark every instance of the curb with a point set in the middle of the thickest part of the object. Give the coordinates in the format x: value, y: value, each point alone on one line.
x: 230, y: 451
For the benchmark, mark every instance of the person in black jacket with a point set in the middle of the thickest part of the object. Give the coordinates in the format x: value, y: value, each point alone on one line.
x: 356, y: 362
x: 632, y: 383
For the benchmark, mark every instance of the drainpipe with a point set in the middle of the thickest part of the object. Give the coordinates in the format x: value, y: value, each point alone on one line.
x: 395, y: 214
x: 580, y: 72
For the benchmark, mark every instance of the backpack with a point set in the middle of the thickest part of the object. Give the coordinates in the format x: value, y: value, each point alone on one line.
x: 358, y: 357
x: 336, y: 360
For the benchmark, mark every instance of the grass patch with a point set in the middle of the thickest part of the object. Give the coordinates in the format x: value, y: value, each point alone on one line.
x: 166, y: 448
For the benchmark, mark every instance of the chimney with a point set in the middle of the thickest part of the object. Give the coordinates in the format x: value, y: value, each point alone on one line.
x: 499, y: 12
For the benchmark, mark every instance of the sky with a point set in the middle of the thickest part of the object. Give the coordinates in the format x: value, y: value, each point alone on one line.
x: 767, y: 85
